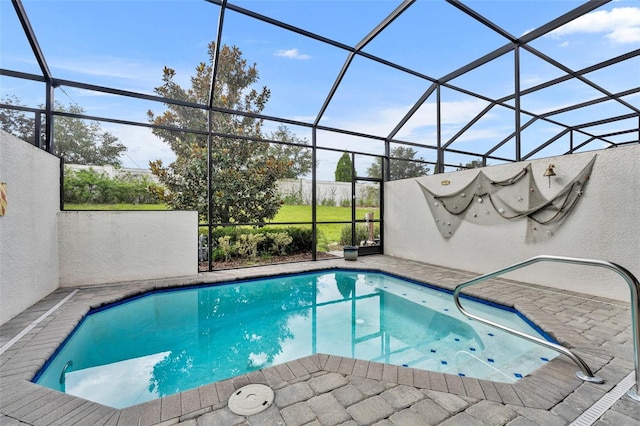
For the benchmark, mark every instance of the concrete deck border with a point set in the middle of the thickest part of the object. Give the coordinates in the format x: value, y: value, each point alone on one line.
x: 363, y: 392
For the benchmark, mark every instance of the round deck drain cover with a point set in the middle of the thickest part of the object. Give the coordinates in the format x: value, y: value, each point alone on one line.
x: 251, y: 399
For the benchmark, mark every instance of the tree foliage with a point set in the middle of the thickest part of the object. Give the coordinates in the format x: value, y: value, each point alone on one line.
x: 77, y: 141
x: 84, y: 142
x: 243, y: 173
x: 401, y: 166
x: 344, y: 169
x: 17, y: 122
x: 474, y: 164
x: 297, y: 158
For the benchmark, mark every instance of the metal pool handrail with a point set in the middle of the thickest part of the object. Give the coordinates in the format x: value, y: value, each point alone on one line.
x: 585, y: 373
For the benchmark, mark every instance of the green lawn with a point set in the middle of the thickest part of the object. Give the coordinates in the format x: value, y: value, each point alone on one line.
x: 330, y: 231
x: 287, y: 213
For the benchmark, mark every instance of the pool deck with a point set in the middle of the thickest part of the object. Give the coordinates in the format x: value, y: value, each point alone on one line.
x: 330, y: 390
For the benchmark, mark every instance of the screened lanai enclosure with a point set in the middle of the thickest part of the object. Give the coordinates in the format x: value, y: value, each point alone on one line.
x: 280, y: 121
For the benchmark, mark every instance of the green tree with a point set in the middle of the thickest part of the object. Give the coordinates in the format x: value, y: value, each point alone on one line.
x: 344, y: 168
x: 84, y: 142
x: 15, y: 121
x: 474, y: 164
x: 77, y: 141
x: 297, y: 158
x: 244, y: 173
x: 401, y: 165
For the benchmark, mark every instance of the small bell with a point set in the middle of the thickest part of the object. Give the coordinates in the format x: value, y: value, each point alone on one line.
x: 549, y: 172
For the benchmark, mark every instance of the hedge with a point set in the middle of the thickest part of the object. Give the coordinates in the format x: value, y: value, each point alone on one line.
x: 301, y: 240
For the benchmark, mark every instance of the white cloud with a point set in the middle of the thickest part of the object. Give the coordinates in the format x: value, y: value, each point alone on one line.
x: 380, y: 122
x: 527, y: 31
x: 304, y: 118
x: 117, y: 384
x: 625, y: 35
x: 292, y: 54
x: 527, y: 80
x: 138, y: 75
x: 452, y: 113
x: 142, y: 145
x: 420, y: 128
x: 106, y: 66
x: 621, y: 25
x: 76, y: 92
x: 490, y: 134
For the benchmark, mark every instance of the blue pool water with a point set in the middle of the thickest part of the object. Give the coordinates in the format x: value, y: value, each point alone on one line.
x: 171, y: 341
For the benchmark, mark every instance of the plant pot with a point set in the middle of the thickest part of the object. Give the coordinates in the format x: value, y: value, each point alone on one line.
x: 350, y: 252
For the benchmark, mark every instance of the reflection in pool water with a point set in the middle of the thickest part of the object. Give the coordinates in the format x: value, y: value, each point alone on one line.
x: 171, y: 341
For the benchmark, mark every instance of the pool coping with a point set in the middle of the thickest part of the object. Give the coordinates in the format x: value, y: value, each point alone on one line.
x: 543, y: 389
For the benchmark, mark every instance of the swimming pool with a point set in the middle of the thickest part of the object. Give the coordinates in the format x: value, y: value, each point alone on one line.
x: 169, y: 341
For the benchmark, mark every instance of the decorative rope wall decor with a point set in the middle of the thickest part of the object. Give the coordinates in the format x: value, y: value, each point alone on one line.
x: 487, y: 202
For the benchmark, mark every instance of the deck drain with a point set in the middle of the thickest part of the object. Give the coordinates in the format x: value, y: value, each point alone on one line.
x: 251, y: 399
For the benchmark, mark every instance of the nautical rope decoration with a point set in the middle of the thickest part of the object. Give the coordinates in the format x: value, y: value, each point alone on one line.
x: 486, y: 202
x: 3, y: 198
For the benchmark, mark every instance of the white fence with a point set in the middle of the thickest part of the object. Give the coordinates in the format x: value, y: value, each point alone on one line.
x: 295, y: 191
x: 113, y: 172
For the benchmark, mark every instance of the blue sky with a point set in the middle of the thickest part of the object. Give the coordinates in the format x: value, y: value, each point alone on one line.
x: 125, y: 44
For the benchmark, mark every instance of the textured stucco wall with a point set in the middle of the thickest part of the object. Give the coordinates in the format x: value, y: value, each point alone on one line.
x: 28, y: 230
x: 604, y: 225
x: 111, y: 246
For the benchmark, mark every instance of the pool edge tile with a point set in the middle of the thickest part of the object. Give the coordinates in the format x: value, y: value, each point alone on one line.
x: 598, y: 357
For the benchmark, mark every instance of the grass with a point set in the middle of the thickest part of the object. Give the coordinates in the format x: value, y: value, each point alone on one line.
x: 288, y: 213
x: 331, y: 232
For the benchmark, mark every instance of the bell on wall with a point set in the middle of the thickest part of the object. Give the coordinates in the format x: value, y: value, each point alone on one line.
x: 549, y: 172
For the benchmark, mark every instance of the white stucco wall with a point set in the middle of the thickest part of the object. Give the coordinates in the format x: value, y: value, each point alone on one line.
x: 604, y: 225
x: 28, y: 230
x: 101, y: 247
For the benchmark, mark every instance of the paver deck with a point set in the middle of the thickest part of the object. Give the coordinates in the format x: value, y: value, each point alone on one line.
x: 328, y: 390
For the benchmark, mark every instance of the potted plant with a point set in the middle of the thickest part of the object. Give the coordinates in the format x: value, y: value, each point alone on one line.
x: 350, y: 252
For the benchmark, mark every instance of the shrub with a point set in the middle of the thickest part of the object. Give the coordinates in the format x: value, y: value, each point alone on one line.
x: 328, y: 197
x: 280, y: 242
x: 293, y: 196
x: 362, y: 234
x: 302, y: 239
x: 331, y: 202
x: 369, y: 196
x: 321, y: 241
x: 230, y: 231
x: 247, y: 245
x: 232, y: 242
x: 87, y: 186
x: 225, y: 247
